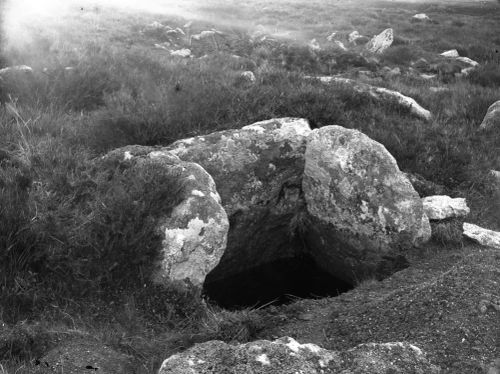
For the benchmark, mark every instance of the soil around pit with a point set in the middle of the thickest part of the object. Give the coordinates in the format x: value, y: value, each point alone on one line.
x: 447, y: 303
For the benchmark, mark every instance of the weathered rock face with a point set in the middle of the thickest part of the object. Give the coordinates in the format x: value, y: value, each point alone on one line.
x: 195, y: 231
x: 362, y: 208
x: 440, y: 207
x: 380, y: 42
x: 481, y: 235
x: 492, y: 118
x: 83, y: 356
x: 286, y: 355
x: 258, y: 171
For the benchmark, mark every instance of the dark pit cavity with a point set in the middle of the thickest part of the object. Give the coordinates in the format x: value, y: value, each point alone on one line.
x: 275, y: 283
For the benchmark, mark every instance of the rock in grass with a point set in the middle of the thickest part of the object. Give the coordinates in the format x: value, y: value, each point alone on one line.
x: 184, y: 52
x: 488, y: 238
x: 420, y: 17
x: 492, y: 118
x: 379, y: 43
x: 248, y: 76
x: 85, y: 356
x: 195, y: 231
x: 439, y: 207
x: 450, y: 53
x: 258, y: 171
x: 286, y: 355
x: 468, y: 61
x: 380, y: 94
x: 16, y: 69
x: 353, y: 36
x: 339, y: 45
x: 362, y: 208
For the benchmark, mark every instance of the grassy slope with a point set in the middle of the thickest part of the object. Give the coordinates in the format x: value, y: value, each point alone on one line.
x: 122, y: 91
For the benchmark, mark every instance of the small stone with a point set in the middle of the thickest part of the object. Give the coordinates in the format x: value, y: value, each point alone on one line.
x: 450, y: 53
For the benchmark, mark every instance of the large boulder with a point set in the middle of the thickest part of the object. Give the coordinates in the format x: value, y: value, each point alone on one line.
x: 380, y: 42
x: 258, y: 171
x: 363, y: 211
x: 286, y: 355
x: 440, y: 207
x: 492, y: 118
x: 195, y: 231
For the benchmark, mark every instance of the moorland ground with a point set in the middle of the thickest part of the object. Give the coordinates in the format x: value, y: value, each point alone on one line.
x: 68, y: 234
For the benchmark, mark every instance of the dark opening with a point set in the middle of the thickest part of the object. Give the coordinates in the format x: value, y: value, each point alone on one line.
x: 275, y: 283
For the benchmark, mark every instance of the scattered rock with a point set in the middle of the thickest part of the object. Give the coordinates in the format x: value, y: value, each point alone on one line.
x: 481, y: 235
x: 361, y: 207
x: 468, y: 61
x: 340, y: 45
x: 204, y: 35
x: 258, y: 171
x: 492, y: 118
x: 378, y: 44
x: 314, y: 45
x: 156, y: 26
x: 207, y: 41
x: 84, y: 356
x: 248, y: 76
x: 286, y: 355
x: 451, y: 53
x: 420, y: 17
x: 184, y: 52
x: 331, y: 37
x: 380, y: 93
x: 440, y: 207
x: 353, y: 36
x: 195, y: 231
x: 165, y: 46
x: 15, y: 69
x: 428, y: 76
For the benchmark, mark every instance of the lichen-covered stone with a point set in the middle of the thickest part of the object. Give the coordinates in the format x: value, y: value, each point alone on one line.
x: 380, y: 42
x: 440, y: 207
x: 258, y: 171
x: 286, y: 355
x: 363, y: 210
x: 195, y: 231
x: 492, y: 118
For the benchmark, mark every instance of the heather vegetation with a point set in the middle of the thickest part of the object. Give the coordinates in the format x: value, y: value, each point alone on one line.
x: 77, y: 235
